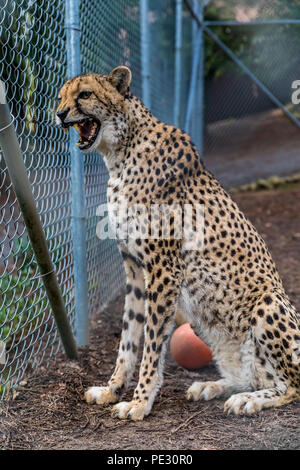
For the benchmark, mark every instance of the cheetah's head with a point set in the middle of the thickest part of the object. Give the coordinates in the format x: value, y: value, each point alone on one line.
x: 95, y: 105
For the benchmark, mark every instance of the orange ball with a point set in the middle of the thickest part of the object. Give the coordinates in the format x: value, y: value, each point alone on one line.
x: 188, y: 350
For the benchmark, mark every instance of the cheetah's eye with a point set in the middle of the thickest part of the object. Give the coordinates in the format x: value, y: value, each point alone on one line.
x: 84, y: 95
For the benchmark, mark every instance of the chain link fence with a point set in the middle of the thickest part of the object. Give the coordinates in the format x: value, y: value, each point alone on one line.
x: 251, y: 125
x: 229, y: 117
x: 110, y: 35
x: 32, y: 65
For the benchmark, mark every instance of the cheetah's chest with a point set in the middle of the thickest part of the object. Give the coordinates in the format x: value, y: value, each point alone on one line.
x: 125, y: 224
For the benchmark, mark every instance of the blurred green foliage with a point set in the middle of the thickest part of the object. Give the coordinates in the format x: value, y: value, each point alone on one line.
x: 255, y: 43
x: 22, y: 300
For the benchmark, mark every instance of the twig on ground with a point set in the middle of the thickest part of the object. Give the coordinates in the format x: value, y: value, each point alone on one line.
x: 186, y: 422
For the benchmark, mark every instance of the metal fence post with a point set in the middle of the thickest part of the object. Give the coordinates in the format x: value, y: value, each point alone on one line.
x: 145, y: 53
x: 178, y: 48
x: 197, y: 78
x: 18, y: 175
x: 72, y: 25
x: 195, y: 28
x: 197, y: 46
x: 201, y: 81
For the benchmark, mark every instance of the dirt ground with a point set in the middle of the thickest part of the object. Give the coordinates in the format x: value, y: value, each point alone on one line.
x: 48, y: 411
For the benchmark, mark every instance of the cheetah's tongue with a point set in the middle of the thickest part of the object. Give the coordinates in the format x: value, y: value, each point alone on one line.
x: 86, y: 129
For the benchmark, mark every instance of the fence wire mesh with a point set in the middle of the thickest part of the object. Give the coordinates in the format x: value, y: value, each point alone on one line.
x: 238, y: 120
x: 110, y: 35
x: 244, y: 129
x: 33, y: 70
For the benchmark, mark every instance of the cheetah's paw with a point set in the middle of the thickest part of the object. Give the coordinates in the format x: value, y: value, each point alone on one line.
x: 204, y: 391
x: 100, y: 395
x: 243, y: 403
x: 130, y: 409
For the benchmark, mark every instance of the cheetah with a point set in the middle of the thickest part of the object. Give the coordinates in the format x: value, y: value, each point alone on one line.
x: 228, y: 288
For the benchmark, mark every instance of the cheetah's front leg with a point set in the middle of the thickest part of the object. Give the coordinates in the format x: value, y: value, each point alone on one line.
x: 160, y: 315
x: 133, y: 320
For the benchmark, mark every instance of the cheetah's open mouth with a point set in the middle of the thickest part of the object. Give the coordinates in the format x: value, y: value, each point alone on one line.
x: 88, y: 131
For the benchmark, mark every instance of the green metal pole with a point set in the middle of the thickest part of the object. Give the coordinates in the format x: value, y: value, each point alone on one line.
x: 18, y: 175
x: 178, y: 61
x: 72, y: 26
x: 145, y: 53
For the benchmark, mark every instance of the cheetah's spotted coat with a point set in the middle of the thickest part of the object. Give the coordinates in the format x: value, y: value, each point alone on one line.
x: 230, y: 291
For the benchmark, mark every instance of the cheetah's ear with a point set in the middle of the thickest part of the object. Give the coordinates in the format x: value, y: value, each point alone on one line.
x: 120, y: 78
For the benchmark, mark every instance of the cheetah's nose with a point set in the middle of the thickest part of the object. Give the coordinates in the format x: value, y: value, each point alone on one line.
x: 63, y: 114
